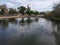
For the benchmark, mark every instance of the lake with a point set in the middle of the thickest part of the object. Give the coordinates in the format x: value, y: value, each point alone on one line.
x: 30, y: 31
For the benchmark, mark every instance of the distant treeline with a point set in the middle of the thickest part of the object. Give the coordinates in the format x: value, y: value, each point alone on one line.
x: 22, y: 10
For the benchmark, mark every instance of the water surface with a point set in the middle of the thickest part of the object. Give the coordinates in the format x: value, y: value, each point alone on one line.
x: 29, y: 32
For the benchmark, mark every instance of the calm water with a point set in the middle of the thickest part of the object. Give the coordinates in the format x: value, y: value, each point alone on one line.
x: 29, y: 32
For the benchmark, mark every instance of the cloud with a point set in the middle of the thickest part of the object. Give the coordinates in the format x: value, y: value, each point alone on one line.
x: 9, y: 4
x: 19, y: 1
x: 37, y: 4
x: 40, y: 5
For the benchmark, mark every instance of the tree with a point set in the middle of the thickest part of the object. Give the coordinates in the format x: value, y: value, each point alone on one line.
x: 22, y: 9
x: 31, y: 12
x: 56, y: 11
x: 1, y: 12
x: 36, y: 12
x: 12, y: 11
x: 3, y: 8
x: 28, y: 10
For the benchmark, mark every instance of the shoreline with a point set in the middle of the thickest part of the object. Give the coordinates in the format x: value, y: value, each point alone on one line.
x: 55, y: 19
x: 4, y: 17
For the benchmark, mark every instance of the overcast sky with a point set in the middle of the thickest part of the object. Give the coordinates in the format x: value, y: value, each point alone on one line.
x: 39, y: 5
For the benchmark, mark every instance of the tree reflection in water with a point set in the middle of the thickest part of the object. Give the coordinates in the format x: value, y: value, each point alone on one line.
x: 24, y: 22
x: 4, y: 24
x: 12, y: 20
x: 57, y: 33
x: 29, y: 21
x: 36, y: 19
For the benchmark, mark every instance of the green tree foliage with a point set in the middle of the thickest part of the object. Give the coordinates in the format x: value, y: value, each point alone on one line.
x: 28, y: 10
x: 12, y: 11
x: 36, y: 12
x: 22, y: 9
x: 32, y: 12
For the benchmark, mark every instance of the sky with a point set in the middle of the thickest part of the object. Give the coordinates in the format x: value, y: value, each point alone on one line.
x: 39, y: 5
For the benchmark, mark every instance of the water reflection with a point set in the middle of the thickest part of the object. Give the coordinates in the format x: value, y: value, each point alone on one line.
x: 36, y: 19
x: 24, y: 22
x: 3, y: 24
x: 29, y: 21
x: 29, y: 31
x: 57, y: 33
x: 12, y: 20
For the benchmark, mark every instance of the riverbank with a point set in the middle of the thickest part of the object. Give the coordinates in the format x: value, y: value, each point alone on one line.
x: 55, y: 19
x: 3, y: 17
